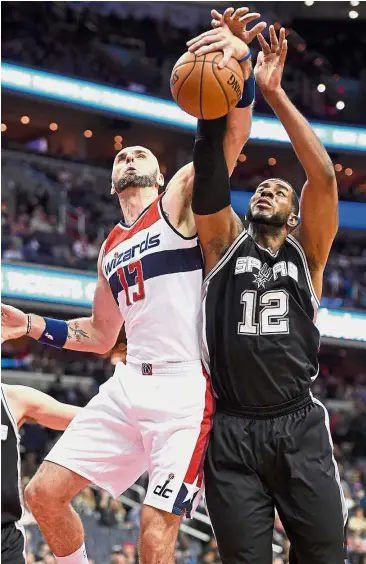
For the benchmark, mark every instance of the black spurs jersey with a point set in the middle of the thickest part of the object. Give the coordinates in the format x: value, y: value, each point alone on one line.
x: 260, y: 342
x: 11, y: 506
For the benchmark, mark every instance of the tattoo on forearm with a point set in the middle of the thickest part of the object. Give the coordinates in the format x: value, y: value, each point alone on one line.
x: 74, y: 331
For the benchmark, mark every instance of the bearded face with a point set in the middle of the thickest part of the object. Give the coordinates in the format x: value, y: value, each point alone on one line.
x: 271, y: 204
x: 134, y: 167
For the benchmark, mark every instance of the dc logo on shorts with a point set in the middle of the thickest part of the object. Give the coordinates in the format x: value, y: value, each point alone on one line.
x: 146, y: 369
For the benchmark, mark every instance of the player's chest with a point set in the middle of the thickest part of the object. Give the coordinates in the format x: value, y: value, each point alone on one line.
x: 262, y: 273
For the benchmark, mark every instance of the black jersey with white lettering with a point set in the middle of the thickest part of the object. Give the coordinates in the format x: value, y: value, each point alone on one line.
x: 260, y: 342
x: 11, y: 507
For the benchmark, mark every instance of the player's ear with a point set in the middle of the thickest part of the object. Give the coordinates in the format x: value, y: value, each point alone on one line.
x: 292, y: 221
x: 160, y: 179
x: 113, y: 191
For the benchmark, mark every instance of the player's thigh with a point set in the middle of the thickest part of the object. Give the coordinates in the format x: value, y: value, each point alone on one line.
x: 102, y: 444
x: 12, y: 544
x: 310, y: 499
x: 240, y: 508
x: 176, y: 444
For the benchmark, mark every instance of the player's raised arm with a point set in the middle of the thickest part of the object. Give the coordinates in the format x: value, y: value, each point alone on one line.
x: 216, y: 222
x: 177, y: 201
x: 97, y: 333
x: 319, y: 197
x: 30, y: 405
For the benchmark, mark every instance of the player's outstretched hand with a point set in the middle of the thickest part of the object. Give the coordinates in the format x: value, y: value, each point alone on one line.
x: 237, y: 21
x: 13, y: 323
x: 271, y: 61
x: 220, y: 39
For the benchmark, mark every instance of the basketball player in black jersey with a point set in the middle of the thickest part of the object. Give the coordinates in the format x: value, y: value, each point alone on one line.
x: 270, y: 445
x: 20, y: 404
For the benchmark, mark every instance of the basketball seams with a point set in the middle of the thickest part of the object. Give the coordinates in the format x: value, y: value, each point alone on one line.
x: 201, y: 62
x: 190, y: 92
x: 219, y: 82
x: 186, y: 63
x: 188, y: 75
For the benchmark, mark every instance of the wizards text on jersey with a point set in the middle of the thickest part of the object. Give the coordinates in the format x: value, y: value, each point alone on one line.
x: 149, y: 242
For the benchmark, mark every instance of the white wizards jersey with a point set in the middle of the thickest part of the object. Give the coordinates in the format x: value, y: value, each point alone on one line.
x: 155, y: 275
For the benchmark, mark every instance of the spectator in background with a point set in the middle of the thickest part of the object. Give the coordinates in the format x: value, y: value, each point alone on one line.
x: 85, y: 502
x: 39, y: 221
x: 130, y: 552
x: 117, y: 557
x: 357, y: 523
x: 14, y: 251
x: 43, y: 550
x: 111, y: 511
x: 83, y: 249
x: 30, y: 464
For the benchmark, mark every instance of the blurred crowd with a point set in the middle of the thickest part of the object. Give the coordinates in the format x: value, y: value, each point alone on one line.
x: 138, y: 51
x: 345, y: 275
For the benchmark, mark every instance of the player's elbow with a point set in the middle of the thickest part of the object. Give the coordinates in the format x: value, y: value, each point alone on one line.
x: 324, y: 179
x: 104, y: 346
x: 328, y: 172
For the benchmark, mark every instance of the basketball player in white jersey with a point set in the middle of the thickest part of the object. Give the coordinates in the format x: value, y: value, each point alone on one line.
x: 155, y: 413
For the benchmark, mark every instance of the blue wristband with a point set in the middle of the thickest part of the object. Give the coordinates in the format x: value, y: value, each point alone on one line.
x: 247, y: 56
x: 55, y: 333
x: 248, y: 93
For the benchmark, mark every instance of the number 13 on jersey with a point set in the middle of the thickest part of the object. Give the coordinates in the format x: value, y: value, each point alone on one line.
x: 135, y: 268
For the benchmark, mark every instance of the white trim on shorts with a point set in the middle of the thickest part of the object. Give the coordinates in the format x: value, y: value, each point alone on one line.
x: 336, y: 471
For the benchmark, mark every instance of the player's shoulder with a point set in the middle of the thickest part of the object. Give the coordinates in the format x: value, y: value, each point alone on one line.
x: 122, y: 232
x: 111, y: 239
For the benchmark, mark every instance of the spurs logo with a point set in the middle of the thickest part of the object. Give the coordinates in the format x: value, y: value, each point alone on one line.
x: 264, y: 275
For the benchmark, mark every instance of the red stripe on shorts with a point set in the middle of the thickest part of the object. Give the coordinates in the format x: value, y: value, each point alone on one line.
x: 196, y: 464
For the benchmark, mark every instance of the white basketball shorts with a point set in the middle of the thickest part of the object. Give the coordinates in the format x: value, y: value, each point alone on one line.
x: 144, y: 418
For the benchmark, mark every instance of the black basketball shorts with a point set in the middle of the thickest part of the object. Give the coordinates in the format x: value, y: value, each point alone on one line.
x: 12, y: 545
x: 285, y: 461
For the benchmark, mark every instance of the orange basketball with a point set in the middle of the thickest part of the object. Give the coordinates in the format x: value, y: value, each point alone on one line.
x: 203, y: 90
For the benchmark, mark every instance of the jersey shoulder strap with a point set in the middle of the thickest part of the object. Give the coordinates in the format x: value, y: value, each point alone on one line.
x: 227, y: 255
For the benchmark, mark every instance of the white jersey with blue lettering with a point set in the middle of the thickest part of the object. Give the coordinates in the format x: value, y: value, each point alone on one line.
x: 155, y: 275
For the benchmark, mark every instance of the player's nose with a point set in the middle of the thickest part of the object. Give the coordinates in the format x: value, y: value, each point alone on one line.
x: 267, y: 193
x: 130, y: 157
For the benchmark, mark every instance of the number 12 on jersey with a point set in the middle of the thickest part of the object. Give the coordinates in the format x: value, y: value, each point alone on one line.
x: 133, y: 268
x: 271, y: 318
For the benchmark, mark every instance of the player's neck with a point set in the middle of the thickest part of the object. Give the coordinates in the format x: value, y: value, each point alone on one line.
x: 268, y: 236
x: 133, y: 201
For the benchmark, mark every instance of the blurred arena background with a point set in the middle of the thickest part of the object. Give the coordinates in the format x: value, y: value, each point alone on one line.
x: 79, y: 81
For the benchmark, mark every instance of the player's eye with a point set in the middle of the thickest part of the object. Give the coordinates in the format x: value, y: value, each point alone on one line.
x: 281, y: 193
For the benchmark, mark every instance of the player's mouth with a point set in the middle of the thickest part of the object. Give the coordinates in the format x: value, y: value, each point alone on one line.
x: 131, y: 169
x: 263, y: 203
